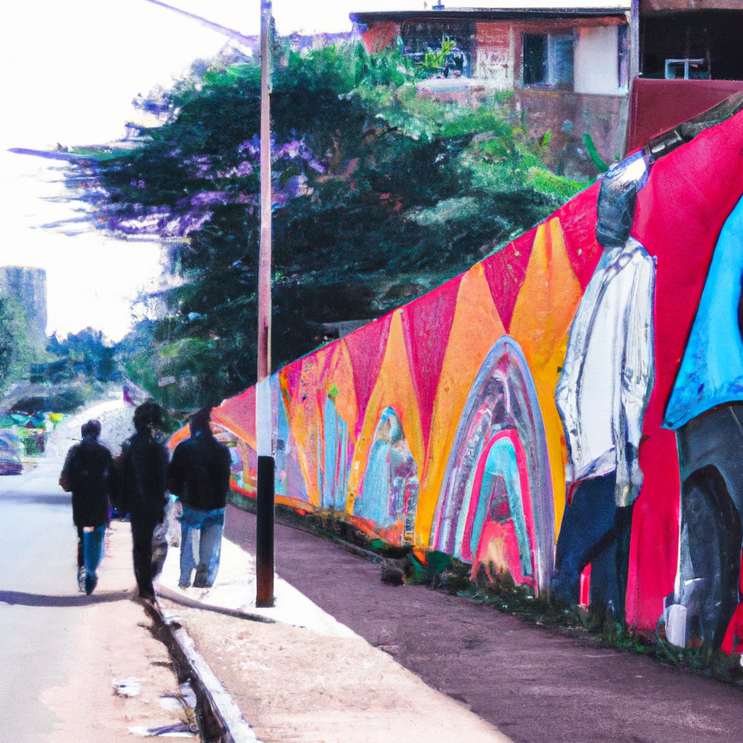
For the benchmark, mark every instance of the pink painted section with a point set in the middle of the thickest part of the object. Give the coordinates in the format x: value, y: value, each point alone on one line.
x: 366, y: 349
x: 585, y: 586
x: 238, y: 415
x: 292, y: 375
x: 505, y: 272
x: 426, y: 324
x: 578, y: 222
x: 680, y: 214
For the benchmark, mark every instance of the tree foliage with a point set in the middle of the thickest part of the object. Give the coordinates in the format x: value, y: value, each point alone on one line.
x: 379, y: 194
x: 14, y: 350
x: 88, y: 353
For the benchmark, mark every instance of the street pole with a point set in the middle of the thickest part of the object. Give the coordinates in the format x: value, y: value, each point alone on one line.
x: 634, y: 42
x: 264, y: 553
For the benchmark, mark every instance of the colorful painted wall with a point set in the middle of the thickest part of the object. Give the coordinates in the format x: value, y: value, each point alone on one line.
x: 438, y: 424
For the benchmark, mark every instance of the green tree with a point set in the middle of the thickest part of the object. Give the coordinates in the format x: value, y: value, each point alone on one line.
x: 14, y: 350
x: 88, y: 352
x: 379, y: 195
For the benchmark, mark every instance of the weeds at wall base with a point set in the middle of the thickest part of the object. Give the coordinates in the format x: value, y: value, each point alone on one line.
x: 504, y: 595
x: 581, y: 622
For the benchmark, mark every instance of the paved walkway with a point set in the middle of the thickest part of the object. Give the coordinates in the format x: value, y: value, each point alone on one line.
x: 534, y: 685
x: 114, y: 641
x: 63, y: 650
x: 306, y: 677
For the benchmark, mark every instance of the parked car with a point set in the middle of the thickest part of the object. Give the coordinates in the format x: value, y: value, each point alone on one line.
x: 10, y: 454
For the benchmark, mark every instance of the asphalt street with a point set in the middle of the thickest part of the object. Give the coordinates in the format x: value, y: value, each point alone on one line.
x: 60, y: 650
x: 39, y: 603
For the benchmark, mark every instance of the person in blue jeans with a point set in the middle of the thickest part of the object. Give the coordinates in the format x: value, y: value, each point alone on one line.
x: 89, y: 474
x: 199, y: 475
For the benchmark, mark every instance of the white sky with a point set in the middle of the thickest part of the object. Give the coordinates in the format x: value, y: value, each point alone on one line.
x: 71, y: 69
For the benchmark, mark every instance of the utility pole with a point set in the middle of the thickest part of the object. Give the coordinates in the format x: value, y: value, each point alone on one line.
x: 634, y: 41
x: 264, y: 553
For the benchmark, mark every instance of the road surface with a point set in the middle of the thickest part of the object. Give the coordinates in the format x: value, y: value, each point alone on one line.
x: 39, y: 602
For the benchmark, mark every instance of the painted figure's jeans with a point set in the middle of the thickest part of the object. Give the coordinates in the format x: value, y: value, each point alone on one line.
x: 201, y: 531
x: 594, y: 531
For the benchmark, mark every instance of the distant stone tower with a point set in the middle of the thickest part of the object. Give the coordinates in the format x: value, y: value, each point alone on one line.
x: 28, y: 287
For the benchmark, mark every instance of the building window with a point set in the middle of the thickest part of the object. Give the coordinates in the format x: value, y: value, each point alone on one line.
x: 534, y: 58
x: 547, y: 59
x: 420, y: 39
x: 687, y: 69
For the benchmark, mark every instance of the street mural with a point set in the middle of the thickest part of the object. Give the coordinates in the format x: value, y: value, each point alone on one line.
x: 569, y: 411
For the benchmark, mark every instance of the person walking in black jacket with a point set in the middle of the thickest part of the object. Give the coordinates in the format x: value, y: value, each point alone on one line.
x: 144, y: 462
x: 199, y: 474
x: 89, y: 474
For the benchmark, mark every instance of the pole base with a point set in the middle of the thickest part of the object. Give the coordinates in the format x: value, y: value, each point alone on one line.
x: 264, y: 543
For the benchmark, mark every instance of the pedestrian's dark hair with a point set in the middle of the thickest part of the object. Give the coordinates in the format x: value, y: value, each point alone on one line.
x: 200, y: 420
x: 91, y: 428
x: 147, y: 416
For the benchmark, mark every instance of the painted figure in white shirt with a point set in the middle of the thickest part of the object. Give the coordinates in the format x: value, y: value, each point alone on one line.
x: 601, y: 396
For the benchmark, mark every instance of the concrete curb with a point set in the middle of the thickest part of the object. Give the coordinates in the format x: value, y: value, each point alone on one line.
x: 237, y: 729
x: 176, y: 598
x: 224, y: 722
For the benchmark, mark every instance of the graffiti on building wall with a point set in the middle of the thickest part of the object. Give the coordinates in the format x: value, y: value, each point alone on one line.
x: 496, y: 66
x: 572, y: 403
x: 496, y: 504
x: 495, y: 55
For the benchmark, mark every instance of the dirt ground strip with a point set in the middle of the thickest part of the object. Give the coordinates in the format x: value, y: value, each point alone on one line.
x: 114, y: 641
x: 294, y: 684
x: 531, y: 683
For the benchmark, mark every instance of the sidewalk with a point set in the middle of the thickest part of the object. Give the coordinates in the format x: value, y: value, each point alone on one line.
x: 533, y: 684
x: 307, y: 677
x: 114, y: 642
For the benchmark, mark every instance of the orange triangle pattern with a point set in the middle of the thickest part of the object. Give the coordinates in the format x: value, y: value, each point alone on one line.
x: 545, y: 307
x: 394, y: 389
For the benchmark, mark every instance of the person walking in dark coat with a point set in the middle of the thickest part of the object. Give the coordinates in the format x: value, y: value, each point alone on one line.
x: 199, y: 474
x: 89, y: 474
x: 144, y: 462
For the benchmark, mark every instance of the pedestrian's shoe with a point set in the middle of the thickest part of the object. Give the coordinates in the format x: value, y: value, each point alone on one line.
x: 81, y: 579
x: 91, y: 581
x: 147, y: 599
x: 200, y: 579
